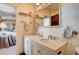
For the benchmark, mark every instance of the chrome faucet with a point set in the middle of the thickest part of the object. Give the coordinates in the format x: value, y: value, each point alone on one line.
x: 50, y: 37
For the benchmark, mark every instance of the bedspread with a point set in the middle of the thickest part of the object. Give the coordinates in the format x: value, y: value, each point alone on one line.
x: 7, y: 41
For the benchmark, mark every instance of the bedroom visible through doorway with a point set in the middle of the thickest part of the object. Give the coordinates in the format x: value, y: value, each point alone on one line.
x: 7, y: 29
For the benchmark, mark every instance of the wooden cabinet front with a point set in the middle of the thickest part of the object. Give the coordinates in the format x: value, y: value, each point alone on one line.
x: 38, y: 49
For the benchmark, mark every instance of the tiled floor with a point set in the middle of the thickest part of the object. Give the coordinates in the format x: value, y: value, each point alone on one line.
x: 8, y: 51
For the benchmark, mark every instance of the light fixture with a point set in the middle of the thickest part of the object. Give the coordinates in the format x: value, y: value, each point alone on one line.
x: 43, y: 4
x: 3, y: 25
x: 37, y: 3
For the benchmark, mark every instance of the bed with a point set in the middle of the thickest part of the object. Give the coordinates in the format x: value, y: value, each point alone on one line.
x: 7, y: 39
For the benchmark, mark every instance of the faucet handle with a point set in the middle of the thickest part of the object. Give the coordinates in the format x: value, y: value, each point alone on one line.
x: 54, y: 37
x: 50, y: 37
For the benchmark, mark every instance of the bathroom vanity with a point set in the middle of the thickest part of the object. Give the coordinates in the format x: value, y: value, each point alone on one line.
x: 36, y: 45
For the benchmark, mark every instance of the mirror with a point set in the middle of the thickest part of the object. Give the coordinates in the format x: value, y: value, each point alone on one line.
x: 47, y: 14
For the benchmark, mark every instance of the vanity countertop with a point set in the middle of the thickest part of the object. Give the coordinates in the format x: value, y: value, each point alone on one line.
x: 51, y: 44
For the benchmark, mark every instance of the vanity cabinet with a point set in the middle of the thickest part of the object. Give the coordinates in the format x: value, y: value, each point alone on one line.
x: 38, y: 49
x: 34, y: 46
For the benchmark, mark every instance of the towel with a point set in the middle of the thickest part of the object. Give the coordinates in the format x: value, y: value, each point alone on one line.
x: 28, y: 46
x: 68, y: 32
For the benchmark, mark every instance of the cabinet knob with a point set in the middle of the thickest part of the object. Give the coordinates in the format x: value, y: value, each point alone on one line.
x: 38, y: 51
x: 59, y: 52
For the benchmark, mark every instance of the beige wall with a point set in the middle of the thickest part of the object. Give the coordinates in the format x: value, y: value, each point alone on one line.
x: 25, y: 8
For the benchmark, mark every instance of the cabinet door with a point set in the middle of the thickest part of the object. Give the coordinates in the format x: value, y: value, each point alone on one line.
x: 38, y: 49
x: 46, y: 51
x: 35, y: 49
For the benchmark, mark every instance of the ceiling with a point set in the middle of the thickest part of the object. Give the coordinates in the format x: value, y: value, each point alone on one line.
x: 53, y: 6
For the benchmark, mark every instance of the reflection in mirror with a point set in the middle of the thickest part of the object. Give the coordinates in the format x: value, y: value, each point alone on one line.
x: 55, y: 20
x: 48, y: 13
x: 46, y: 21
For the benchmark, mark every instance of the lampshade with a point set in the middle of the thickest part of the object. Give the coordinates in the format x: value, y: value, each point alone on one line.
x: 3, y: 25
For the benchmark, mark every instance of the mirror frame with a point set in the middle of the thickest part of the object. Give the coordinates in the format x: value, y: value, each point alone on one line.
x: 59, y: 19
